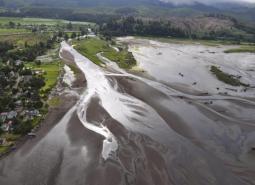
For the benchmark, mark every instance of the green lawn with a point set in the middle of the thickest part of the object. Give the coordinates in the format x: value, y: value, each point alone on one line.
x: 74, y: 68
x: 54, y: 102
x: 30, y: 39
x: 124, y: 58
x: 3, y: 149
x: 91, y: 46
x: 10, y: 139
x: 52, y: 71
x: 242, y: 49
x: 6, y: 31
x: 37, y: 21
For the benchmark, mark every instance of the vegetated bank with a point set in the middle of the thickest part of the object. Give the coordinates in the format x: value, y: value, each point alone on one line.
x: 228, y: 28
x: 90, y: 47
x: 242, y: 49
x: 22, y: 106
x: 125, y: 21
x: 26, y: 79
x: 227, y: 78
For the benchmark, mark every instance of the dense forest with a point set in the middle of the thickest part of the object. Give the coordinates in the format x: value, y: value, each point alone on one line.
x: 146, y: 8
x: 29, y: 53
x: 59, y: 13
x: 165, y: 28
x: 120, y: 24
x: 132, y: 26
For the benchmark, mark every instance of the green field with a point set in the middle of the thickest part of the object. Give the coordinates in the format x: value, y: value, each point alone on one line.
x: 20, y: 40
x: 124, y: 58
x: 3, y: 149
x: 54, y: 102
x: 38, y: 21
x: 5, y: 31
x: 51, y: 73
x: 242, y: 49
x: 10, y: 138
x: 91, y: 46
x: 74, y: 68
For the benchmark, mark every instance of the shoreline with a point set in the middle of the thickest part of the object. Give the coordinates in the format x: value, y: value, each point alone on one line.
x: 55, y: 112
x: 155, y: 127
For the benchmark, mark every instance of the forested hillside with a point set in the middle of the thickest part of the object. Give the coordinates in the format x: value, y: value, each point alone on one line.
x: 147, y: 8
x: 206, y: 27
x: 145, y: 17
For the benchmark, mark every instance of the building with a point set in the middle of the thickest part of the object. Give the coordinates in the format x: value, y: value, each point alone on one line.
x: 7, y: 126
x: 18, y: 62
x: 33, y: 113
x: 3, y: 116
x: 18, y: 103
x: 12, y: 114
x: 2, y: 141
x: 27, y: 78
x: 39, y: 72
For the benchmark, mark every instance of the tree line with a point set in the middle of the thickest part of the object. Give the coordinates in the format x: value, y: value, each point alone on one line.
x: 59, y: 13
x: 28, y: 53
x: 114, y: 25
x: 164, y: 28
x: 132, y: 26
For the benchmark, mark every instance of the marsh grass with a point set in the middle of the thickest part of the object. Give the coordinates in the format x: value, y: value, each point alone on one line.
x: 227, y: 78
x: 242, y: 49
x: 92, y: 46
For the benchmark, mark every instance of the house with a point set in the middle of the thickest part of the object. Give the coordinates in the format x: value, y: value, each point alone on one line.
x: 2, y: 74
x: 18, y: 62
x: 18, y: 103
x: 12, y: 114
x: 33, y: 113
x: 7, y: 126
x: 12, y: 74
x: 2, y: 141
x: 31, y: 135
x: 3, y: 116
x: 27, y: 78
x: 39, y: 72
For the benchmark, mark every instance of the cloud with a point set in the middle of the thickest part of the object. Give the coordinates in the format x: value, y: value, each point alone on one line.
x: 207, y: 1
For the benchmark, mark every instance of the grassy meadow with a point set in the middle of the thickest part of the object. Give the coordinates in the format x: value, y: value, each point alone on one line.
x: 6, y: 31
x: 37, y: 21
x: 50, y: 71
x: 91, y: 46
x: 242, y: 49
x: 20, y: 40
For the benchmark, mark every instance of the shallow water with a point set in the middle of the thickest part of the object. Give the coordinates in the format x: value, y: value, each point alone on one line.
x: 127, y: 129
x: 69, y: 76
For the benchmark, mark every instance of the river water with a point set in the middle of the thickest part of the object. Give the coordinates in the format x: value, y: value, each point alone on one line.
x: 127, y: 129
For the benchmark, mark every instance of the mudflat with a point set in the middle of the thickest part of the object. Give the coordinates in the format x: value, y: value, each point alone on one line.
x: 129, y: 129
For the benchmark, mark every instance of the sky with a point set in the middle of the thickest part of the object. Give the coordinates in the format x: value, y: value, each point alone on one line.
x: 207, y: 1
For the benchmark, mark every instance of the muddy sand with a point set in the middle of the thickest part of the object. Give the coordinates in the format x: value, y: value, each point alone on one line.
x: 127, y: 129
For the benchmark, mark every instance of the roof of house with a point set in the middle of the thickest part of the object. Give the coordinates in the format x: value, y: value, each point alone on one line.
x: 12, y: 114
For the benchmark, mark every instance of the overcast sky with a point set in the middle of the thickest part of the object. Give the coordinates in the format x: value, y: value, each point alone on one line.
x: 206, y: 1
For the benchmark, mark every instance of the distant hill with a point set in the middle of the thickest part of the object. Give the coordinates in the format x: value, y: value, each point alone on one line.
x: 146, y: 8
x: 77, y: 3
